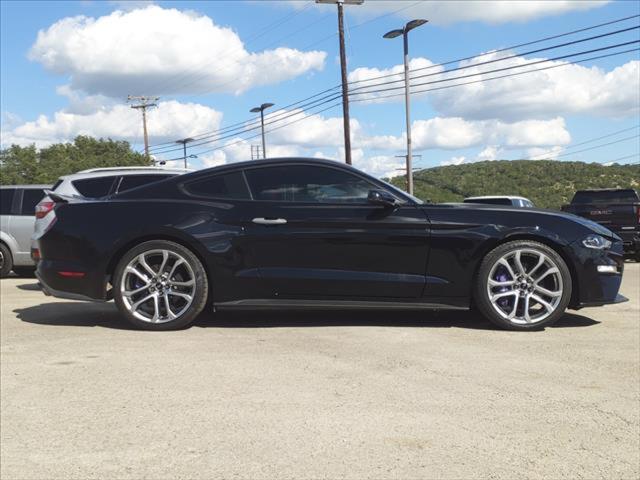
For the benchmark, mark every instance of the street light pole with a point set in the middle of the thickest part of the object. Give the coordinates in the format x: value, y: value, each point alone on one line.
x: 261, y: 109
x: 407, y: 92
x: 184, y: 142
x: 343, y: 71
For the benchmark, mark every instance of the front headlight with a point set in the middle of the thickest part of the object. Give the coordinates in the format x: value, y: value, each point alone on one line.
x: 596, y: 242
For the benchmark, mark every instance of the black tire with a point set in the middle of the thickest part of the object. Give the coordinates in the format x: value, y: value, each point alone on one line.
x: 6, y: 260
x: 490, y: 311
x: 27, y: 272
x: 199, y: 295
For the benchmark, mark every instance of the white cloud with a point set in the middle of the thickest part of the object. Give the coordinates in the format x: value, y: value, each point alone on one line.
x: 487, y: 11
x: 571, y: 89
x: 490, y: 153
x: 154, y: 50
x: 454, y: 161
x: 455, y: 133
x: 169, y: 121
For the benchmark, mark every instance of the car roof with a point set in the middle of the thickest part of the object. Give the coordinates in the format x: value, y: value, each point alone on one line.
x: 34, y: 187
x: 104, y: 172
x: 274, y: 161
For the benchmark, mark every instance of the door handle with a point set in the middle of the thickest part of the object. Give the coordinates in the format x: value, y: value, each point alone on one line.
x: 269, y: 221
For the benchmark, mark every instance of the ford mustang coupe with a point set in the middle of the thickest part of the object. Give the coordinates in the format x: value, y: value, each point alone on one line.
x: 307, y: 233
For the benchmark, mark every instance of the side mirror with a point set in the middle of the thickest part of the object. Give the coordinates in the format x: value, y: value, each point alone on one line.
x: 381, y: 197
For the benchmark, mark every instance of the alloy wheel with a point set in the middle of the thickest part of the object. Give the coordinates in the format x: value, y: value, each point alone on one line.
x: 158, y: 286
x: 525, y: 286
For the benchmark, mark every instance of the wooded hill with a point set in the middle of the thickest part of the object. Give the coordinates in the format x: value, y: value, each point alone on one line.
x: 548, y: 183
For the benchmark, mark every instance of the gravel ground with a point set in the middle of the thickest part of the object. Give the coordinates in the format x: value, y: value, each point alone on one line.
x: 316, y: 395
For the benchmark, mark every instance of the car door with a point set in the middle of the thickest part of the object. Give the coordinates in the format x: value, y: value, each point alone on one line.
x: 313, y: 234
x: 23, y: 222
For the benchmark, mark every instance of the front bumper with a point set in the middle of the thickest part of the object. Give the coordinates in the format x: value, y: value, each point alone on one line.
x: 594, y: 288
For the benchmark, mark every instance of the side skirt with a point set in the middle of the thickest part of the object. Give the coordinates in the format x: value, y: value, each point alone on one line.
x: 276, y: 304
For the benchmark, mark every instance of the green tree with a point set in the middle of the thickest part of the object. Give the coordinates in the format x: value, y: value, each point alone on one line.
x: 29, y: 165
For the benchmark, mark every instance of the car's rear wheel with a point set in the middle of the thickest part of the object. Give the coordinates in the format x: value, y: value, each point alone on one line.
x: 160, y: 285
x: 523, y: 285
x: 6, y: 260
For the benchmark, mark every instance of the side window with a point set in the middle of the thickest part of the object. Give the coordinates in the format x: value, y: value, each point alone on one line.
x: 30, y: 198
x: 94, y: 187
x: 307, y: 183
x: 132, y: 181
x: 6, y: 200
x: 231, y: 186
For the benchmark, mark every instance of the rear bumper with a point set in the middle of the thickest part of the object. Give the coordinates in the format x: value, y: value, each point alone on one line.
x: 90, y: 287
x: 51, y: 292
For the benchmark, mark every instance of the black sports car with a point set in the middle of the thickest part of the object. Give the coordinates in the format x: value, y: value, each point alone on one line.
x: 308, y: 233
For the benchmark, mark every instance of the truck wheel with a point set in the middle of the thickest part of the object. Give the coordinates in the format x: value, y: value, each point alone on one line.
x: 6, y: 260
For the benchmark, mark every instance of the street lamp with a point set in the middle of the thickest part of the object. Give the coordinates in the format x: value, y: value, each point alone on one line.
x: 261, y: 109
x: 184, y: 142
x: 343, y: 72
x: 405, y: 33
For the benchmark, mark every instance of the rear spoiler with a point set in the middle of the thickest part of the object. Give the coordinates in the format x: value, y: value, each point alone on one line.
x: 59, y: 198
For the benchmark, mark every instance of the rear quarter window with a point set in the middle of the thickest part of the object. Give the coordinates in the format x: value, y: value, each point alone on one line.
x: 231, y: 186
x: 6, y: 200
x: 94, y: 187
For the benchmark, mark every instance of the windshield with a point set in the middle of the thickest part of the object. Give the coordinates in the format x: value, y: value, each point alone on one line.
x: 605, y: 196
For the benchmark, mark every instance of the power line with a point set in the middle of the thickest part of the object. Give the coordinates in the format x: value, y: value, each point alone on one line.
x: 270, y: 122
x: 257, y: 135
x: 355, y: 91
x: 230, y: 127
x: 599, y: 146
x: 501, y: 49
x: 587, y: 141
x: 499, y: 76
x: 326, y: 96
x: 285, y: 114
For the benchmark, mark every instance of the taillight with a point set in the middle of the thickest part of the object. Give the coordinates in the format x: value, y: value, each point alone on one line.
x: 43, y: 208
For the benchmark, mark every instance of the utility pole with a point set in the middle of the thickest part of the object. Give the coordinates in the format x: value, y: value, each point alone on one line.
x: 343, y: 71
x: 406, y: 180
x: 404, y: 31
x: 144, y: 103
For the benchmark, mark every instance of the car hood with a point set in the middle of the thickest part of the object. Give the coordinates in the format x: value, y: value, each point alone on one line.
x: 589, y: 224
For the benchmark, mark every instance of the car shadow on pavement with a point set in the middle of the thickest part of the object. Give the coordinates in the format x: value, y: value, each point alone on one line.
x: 85, y: 314
x: 31, y: 287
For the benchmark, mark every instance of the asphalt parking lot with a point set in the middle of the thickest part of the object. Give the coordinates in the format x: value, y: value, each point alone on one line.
x: 316, y: 395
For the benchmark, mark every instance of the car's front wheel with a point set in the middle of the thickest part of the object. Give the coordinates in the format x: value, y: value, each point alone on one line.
x: 160, y: 285
x: 523, y: 285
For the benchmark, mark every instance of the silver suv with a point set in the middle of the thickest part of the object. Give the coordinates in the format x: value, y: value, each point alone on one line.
x: 96, y: 183
x: 17, y: 217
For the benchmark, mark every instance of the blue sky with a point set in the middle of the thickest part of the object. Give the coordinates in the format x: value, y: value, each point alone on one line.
x: 210, y: 62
